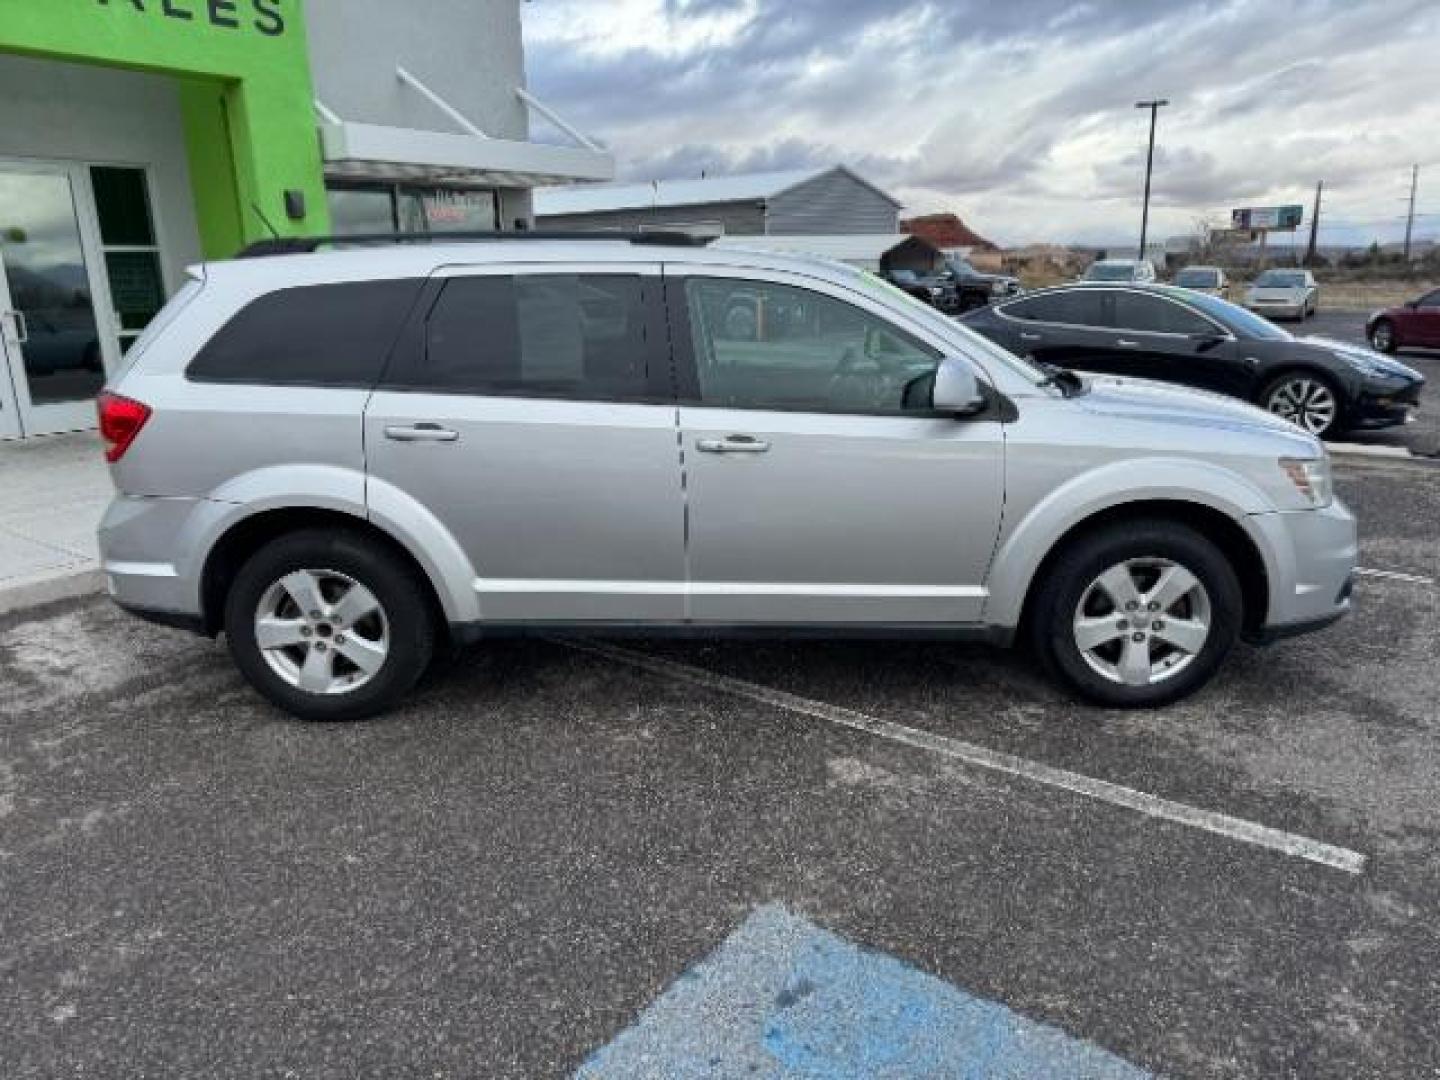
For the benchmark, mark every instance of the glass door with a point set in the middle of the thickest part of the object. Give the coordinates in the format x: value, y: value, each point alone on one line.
x: 53, y: 352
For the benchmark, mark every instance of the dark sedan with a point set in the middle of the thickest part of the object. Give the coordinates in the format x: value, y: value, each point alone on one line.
x: 1175, y: 335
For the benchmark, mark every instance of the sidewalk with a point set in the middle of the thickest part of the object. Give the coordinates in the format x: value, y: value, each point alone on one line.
x: 52, y: 493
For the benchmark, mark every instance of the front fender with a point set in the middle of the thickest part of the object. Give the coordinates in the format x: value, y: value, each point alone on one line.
x: 1025, y: 542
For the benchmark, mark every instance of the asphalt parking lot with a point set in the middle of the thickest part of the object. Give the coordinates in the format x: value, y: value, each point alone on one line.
x: 1421, y: 437
x: 503, y: 876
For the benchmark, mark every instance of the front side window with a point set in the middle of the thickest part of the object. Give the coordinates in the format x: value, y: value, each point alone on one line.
x: 760, y: 345
x: 580, y: 336
x: 1430, y: 301
x: 1156, y: 315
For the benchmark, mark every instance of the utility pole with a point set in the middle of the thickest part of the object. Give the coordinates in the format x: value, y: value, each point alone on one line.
x: 1154, y: 106
x: 1410, y: 217
x: 1314, y: 224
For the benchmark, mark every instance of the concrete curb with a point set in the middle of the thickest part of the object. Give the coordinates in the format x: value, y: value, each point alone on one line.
x: 58, y: 587
x: 1363, y: 450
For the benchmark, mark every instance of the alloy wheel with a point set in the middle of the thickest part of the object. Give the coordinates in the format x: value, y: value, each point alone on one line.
x: 322, y: 631
x: 1142, y: 621
x: 1307, y: 403
x: 1382, y: 337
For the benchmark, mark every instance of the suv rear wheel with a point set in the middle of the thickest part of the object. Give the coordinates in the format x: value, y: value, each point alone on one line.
x: 1137, y: 615
x: 328, y: 625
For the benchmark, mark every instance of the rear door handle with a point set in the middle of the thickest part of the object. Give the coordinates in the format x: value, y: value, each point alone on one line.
x: 1126, y: 343
x: 22, y: 329
x: 421, y: 433
x: 732, y: 444
x: 1030, y: 337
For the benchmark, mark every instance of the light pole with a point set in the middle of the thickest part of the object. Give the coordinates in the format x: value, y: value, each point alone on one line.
x: 1154, y: 107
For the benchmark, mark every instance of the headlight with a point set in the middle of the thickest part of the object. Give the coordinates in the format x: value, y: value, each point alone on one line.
x: 1366, y: 365
x: 997, y: 288
x: 1311, y: 477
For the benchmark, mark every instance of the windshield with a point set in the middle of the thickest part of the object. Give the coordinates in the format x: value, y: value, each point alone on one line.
x: 1110, y: 272
x: 961, y: 268
x: 1198, y: 279
x: 1280, y: 279
x: 1243, y: 323
x: 881, y: 289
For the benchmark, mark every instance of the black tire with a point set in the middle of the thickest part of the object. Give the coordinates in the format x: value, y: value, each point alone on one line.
x: 1382, y: 336
x: 403, y: 597
x: 1070, y: 577
x: 1337, y: 421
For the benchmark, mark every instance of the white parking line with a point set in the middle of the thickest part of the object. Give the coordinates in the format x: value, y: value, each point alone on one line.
x: 1394, y: 575
x: 1301, y: 847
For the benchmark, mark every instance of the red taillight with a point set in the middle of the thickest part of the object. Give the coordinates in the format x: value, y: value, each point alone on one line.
x: 120, y: 421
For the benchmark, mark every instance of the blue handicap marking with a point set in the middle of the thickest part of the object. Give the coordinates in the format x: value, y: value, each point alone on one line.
x: 781, y: 998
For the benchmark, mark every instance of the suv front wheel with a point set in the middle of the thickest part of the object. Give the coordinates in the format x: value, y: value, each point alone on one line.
x: 328, y: 625
x: 1137, y: 615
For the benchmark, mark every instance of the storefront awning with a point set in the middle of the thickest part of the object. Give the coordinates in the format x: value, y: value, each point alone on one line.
x: 371, y: 152
x: 356, y: 151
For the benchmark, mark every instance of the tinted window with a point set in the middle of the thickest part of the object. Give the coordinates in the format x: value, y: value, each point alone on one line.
x: 1198, y: 279
x: 1431, y: 300
x: 760, y: 345
x: 315, y: 335
x: 540, y: 335
x: 1152, y: 314
x: 1077, y: 307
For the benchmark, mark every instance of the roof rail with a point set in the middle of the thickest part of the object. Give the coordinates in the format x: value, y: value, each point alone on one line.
x: 305, y: 245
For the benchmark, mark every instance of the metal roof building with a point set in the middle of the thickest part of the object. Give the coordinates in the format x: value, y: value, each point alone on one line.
x: 827, y: 201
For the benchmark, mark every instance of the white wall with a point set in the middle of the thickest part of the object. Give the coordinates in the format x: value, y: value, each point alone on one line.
x: 101, y: 116
x: 467, y: 51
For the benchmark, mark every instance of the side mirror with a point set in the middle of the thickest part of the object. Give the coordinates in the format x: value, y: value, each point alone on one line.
x: 957, y: 390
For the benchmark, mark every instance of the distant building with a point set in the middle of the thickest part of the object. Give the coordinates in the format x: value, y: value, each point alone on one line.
x: 813, y: 202
x: 947, y: 231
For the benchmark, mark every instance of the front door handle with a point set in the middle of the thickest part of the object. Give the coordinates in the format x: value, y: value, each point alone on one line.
x: 421, y: 433
x: 1126, y: 343
x: 733, y: 444
x: 1030, y: 337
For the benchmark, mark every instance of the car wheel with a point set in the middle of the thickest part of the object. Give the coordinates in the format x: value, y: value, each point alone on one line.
x: 1305, y: 399
x: 329, y: 625
x: 1137, y: 615
x: 1382, y: 336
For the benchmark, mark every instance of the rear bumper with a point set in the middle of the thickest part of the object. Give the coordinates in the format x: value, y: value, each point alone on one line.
x: 147, y: 553
x: 1314, y: 553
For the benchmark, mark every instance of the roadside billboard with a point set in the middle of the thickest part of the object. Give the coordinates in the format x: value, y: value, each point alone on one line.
x: 1271, y: 218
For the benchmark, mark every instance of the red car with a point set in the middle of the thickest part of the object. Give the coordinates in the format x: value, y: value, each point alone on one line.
x: 1412, y: 325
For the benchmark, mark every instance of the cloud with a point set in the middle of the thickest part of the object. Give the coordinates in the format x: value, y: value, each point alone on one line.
x: 1020, y: 116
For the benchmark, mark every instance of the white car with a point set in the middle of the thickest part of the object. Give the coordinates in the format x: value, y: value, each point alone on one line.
x: 1284, y: 294
x: 1124, y: 271
x: 1205, y: 279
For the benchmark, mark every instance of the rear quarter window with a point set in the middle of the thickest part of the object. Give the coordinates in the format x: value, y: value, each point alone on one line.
x: 311, y: 335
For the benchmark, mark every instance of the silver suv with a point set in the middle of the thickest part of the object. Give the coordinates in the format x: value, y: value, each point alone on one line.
x: 345, y: 459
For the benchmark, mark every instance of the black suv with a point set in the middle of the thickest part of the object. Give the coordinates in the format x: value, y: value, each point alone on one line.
x: 974, y: 289
x: 937, y: 290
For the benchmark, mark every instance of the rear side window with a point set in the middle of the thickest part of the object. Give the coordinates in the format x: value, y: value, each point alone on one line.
x: 1075, y: 307
x: 581, y: 336
x: 313, y: 335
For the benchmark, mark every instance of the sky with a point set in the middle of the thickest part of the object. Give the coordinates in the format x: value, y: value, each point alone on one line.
x: 1019, y: 115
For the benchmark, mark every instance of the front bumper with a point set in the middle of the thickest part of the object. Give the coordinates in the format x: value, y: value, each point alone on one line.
x: 1382, y: 407
x: 1274, y: 310
x: 1312, y: 572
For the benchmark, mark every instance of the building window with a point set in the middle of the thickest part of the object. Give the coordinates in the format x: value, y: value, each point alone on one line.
x: 132, y: 255
x: 383, y: 208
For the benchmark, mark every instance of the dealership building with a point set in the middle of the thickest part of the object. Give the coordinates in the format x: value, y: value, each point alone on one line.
x: 141, y: 136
